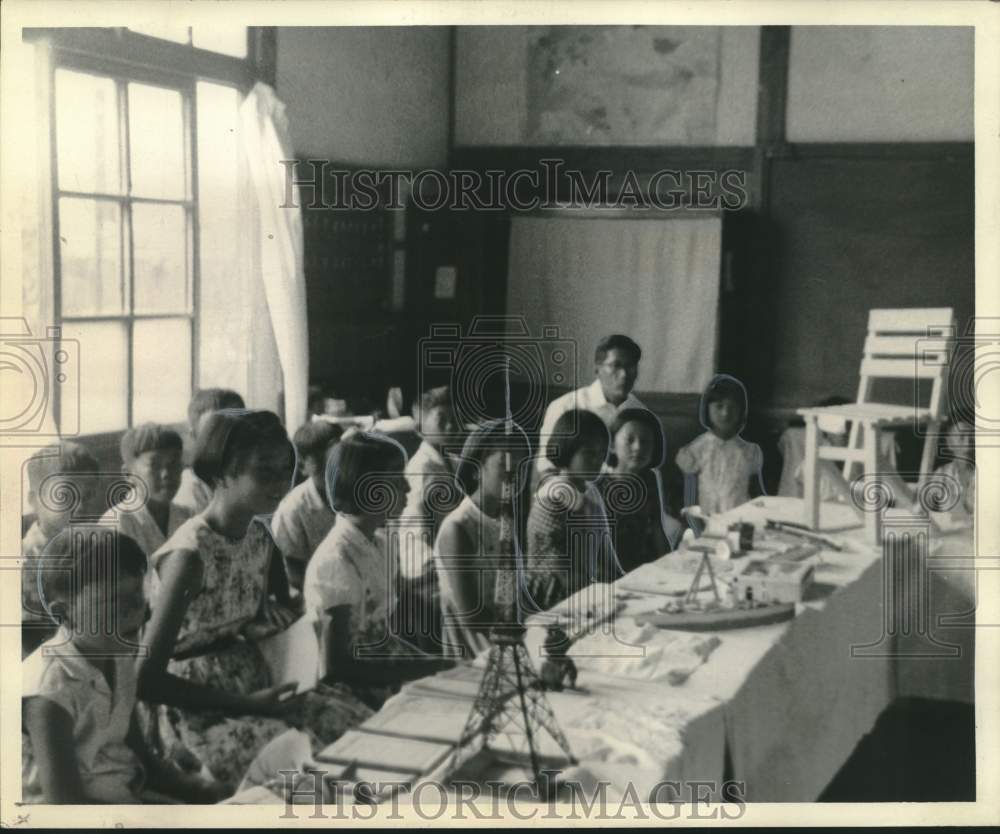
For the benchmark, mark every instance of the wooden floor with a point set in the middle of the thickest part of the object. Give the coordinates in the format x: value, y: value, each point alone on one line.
x: 918, y: 751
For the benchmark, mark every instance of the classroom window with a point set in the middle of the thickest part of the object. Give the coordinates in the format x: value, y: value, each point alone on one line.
x: 227, y: 40
x: 125, y: 214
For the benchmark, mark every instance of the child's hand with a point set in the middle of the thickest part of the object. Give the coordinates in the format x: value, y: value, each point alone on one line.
x: 201, y: 791
x: 274, y: 701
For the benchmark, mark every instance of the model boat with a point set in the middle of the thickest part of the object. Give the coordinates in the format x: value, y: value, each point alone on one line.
x: 692, y: 613
x: 716, y: 616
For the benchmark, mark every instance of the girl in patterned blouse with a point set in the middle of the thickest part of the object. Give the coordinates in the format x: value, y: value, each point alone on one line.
x: 568, y: 541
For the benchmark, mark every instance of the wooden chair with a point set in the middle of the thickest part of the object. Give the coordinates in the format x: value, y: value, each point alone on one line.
x: 913, y: 344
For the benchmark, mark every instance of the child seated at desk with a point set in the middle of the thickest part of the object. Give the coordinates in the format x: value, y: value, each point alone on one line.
x: 194, y: 494
x: 350, y: 587
x: 719, y: 466
x: 151, y: 453
x: 81, y: 740
x: 633, y: 491
x: 55, y: 474
x: 468, y: 545
x: 304, y: 518
x: 559, y: 561
x: 430, y: 470
x: 217, y: 589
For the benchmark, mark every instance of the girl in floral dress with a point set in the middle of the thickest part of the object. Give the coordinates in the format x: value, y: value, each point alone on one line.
x: 218, y: 586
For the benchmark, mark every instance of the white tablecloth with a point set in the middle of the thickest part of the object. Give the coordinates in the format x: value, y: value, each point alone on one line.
x: 788, y: 700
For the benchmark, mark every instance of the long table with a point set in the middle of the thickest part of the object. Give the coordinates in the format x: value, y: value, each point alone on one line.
x: 777, y: 707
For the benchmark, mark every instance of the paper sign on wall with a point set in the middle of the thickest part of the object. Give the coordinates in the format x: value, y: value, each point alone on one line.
x: 445, y: 279
x: 399, y: 280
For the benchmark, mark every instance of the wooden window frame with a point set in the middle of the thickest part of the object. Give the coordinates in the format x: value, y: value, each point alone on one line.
x: 125, y: 56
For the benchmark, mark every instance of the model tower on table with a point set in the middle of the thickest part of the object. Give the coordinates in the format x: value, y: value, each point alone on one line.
x: 511, y: 701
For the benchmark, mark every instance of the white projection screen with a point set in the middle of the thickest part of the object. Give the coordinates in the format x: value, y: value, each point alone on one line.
x: 655, y: 280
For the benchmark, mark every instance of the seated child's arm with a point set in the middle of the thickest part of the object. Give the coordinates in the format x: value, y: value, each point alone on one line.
x: 688, y: 462
x: 181, y: 575
x: 290, y: 539
x: 51, y: 730
x: 343, y: 667
x: 278, y: 584
x: 456, y: 556
x: 757, y: 472
x: 690, y: 490
x: 296, y: 570
x: 165, y: 778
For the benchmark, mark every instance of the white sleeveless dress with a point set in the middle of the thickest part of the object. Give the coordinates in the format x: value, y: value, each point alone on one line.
x: 484, y: 534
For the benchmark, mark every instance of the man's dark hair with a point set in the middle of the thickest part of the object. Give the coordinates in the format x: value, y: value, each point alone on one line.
x: 617, y: 341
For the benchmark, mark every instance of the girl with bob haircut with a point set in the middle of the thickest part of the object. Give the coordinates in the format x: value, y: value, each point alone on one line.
x: 720, y: 466
x: 557, y: 566
x: 633, y: 490
x: 467, y: 550
x: 217, y: 587
x: 351, y: 582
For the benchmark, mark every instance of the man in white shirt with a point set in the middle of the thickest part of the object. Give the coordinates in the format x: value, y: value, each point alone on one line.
x: 616, y: 367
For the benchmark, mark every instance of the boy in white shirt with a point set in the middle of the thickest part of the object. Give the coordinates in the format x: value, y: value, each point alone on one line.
x: 304, y: 516
x: 81, y: 742
x: 194, y: 493
x: 151, y: 453
x: 430, y: 474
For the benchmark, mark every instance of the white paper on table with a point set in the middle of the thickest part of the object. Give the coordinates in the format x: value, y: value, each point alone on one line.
x: 293, y: 655
x: 644, y: 652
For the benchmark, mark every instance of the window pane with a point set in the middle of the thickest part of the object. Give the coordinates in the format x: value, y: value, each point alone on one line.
x: 161, y: 370
x: 168, y: 32
x: 229, y: 40
x: 90, y: 256
x: 222, y: 331
x: 159, y: 258
x: 87, y: 133
x: 103, y: 374
x: 156, y: 142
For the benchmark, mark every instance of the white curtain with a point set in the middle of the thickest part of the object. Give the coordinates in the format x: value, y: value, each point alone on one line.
x: 264, y: 130
x: 27, y: 288
x: 654, y: 280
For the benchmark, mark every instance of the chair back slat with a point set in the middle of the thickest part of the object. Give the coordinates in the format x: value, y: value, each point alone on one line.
x: 923, y: 348
x: 898, y: 369
x: 917, y: 320
x: 908, y: 343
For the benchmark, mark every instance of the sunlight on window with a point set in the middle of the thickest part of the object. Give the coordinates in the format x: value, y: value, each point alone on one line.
x: 229, y: 40
x: 87, y: 133
x: 161, y: 370
x: 167, y: 32
x: 156, y: 142
x: 103, y: 371
x: 90, y: 257
x: 159, y: 256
